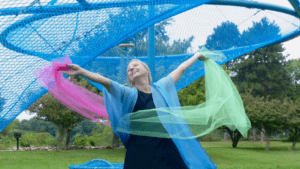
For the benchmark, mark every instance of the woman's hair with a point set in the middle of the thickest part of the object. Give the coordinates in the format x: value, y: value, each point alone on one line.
x: 147, y: 68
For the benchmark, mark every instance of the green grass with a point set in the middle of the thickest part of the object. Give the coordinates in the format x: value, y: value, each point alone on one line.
x: 247, y: 155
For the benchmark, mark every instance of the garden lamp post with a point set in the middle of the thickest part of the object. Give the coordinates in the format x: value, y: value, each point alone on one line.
x: 126, y: 47
x: 17, y: 135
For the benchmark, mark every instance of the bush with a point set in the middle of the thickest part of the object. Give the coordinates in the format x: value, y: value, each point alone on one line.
x: 27, y: 140
x: 43, y: 139
x: 80, y: 141
x: 105, y: 138
x: 92, y: 141
x: 52, y: 142
x: 5, y: 142
x: 102, y: 137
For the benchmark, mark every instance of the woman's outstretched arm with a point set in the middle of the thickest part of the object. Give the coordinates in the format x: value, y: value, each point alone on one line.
x: 95, y: 77
x: 193, y: 59
x: 177, y: 73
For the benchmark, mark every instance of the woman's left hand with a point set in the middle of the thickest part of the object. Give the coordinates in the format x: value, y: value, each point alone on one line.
x: 201, y: 57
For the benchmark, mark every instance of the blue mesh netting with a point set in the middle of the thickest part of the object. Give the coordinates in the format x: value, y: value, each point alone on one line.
x: 33, y: 33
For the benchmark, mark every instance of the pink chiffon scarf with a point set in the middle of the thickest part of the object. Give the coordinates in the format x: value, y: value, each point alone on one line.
x: 77, y: 98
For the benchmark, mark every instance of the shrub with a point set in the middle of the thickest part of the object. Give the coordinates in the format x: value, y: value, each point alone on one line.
x: 92, y: 141
x: 43, y: 139
x: 28, y: 140
x: 52, y: 142
x: 80, y: 141
x: 5, y: 142
x: 105, y: 138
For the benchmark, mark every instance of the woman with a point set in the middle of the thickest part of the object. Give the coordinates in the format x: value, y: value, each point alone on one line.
x: 142, y: 151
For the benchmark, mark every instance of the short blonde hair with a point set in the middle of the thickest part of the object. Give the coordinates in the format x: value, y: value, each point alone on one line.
x: 147, y: 68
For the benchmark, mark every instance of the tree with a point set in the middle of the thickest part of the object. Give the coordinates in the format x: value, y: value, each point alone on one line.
x: 225, y: 36
x: 52, y: 110
x: 35, y: 124
x: 291, y: 121
x: 24, y: 125
x: 264, y: 69
x: 9, y: 130
x: 260, y: 32
x: 273, y: 115
x: 72, y: 122
x: 293, y: 69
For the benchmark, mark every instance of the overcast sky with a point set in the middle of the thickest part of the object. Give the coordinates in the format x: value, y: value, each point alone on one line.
x: 291, y: 46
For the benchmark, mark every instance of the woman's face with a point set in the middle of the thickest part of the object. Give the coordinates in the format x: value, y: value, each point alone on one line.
x: 136, y: 69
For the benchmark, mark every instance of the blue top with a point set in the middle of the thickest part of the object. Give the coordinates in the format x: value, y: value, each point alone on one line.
x: 151, y: 152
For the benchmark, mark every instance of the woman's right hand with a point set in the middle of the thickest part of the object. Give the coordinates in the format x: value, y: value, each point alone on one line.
x: 74, y: 70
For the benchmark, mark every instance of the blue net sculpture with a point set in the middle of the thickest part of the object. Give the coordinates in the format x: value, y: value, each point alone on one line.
x: 35, y: 32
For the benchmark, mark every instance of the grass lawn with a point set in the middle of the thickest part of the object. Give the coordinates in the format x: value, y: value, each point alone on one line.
x: 247, y: 155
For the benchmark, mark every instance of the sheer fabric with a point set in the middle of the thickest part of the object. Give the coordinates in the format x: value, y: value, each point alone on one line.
x: 223, y: 106
x: 75, y: 97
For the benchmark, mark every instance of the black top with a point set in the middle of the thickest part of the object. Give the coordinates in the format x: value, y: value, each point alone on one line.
x: 151, y: 152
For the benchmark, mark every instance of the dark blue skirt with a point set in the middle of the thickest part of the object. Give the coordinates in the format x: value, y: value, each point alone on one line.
x: 152, y: 153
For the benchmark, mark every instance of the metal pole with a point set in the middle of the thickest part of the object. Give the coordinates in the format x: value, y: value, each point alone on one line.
x: 17, y: 143
x: 151, y: 45
x: 17, y: 135
x: 122, y: 69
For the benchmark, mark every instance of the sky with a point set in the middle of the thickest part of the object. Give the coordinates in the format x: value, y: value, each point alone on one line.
x: 291, y: 47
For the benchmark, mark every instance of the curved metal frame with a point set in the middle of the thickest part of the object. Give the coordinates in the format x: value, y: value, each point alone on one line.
x: 49, y: 11
x: 296, y: 6
x: 59, y: 9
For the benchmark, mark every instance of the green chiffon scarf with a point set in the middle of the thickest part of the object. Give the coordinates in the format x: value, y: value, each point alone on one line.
x: 223, y: 106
